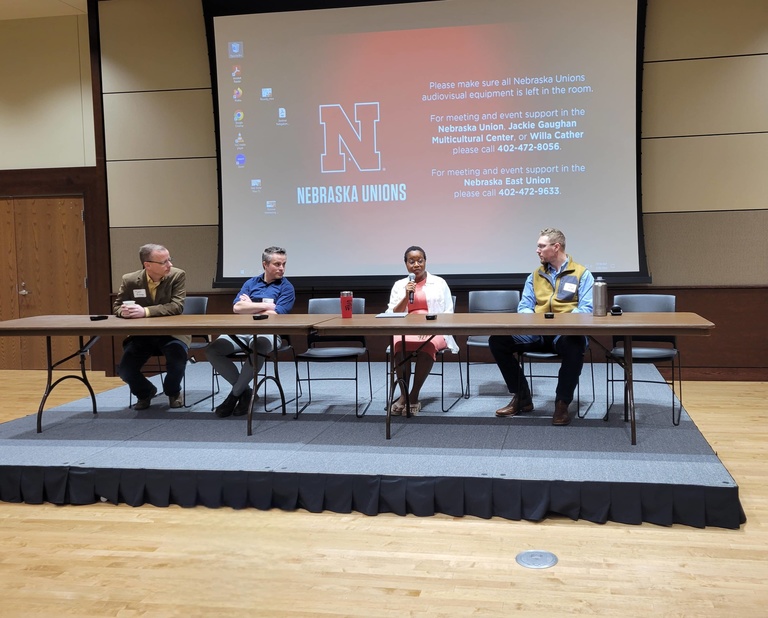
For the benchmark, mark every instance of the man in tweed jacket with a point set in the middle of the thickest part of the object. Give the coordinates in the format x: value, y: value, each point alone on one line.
x: 158, y: 289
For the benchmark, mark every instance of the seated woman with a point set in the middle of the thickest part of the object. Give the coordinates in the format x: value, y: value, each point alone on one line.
x: 420, y: 292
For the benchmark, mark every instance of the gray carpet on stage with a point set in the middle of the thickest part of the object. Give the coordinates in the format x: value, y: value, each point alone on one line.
x: 467, y: 441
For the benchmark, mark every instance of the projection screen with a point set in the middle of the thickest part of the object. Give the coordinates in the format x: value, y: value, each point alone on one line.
x: 464, y: 126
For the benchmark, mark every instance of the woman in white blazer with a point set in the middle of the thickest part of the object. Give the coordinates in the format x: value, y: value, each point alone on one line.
x: 419, y: 292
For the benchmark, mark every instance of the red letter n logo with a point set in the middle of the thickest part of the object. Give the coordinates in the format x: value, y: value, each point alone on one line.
x: 344, y: 138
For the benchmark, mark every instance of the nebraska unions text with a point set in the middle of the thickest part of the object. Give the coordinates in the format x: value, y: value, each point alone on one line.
x: 341, y: 194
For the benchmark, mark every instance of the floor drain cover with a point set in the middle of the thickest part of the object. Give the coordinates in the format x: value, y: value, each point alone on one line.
x: 536, y: 559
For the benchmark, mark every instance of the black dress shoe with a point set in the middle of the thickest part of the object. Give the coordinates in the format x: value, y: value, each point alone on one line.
x: 561, y: 416
x: 226, y: 407
x: 517, y: 405
x: 243, y: 402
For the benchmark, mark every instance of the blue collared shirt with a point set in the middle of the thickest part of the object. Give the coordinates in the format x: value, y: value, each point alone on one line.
x: 280, y: 290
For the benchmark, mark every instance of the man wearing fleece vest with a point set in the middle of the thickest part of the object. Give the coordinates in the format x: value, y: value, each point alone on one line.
x: 559, y: 285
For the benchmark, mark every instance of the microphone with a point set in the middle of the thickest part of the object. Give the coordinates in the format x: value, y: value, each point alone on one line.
x: 411, y: 277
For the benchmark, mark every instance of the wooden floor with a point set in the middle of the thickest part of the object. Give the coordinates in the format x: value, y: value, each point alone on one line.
x: 105, y: 560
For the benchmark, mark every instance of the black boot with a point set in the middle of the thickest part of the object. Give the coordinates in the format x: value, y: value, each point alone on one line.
x: 226, y: 407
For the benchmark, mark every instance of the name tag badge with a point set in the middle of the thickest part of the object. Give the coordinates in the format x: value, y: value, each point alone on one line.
x: 570, y: 288
x: 139, y: 293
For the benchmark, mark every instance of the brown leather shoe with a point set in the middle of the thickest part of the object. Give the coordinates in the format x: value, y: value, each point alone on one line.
x: 145, y: 402
x: 561, y: 416
x: 516, y: 406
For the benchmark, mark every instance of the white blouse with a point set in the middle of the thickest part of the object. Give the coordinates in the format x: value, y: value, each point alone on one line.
x: 439, y: 300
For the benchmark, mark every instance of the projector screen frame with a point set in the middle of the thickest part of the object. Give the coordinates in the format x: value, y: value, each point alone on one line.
x: 217, y: 8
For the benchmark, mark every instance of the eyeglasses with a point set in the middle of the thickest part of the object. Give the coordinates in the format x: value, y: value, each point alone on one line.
x: 549, y: 244
x: 163, y: 263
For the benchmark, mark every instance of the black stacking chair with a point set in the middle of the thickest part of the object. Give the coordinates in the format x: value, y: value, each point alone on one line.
x: 242, y: 355
x: 655, y: 349
x: 488, y: 301
x: 333, y: 349
x: 530, y: 358
x: 193, y: 305
x: 197, y: 305
x: 438, y: 369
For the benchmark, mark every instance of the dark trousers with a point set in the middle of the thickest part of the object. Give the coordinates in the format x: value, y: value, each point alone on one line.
x: 136, y: 352
x: 570, y: 348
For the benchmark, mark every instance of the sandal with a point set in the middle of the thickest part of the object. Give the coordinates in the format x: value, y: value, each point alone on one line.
x: 397, y: 409
x: 414, y: 408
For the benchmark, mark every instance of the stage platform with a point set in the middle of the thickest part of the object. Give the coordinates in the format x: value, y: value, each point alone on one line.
x: 465, y: 462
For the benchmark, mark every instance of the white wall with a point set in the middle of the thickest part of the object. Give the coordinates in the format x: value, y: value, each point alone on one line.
x: 46, y: 105
x: 705, y: 142
x: 159, y: 135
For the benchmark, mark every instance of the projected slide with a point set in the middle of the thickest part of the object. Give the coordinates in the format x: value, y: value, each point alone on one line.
x: 464, y: 127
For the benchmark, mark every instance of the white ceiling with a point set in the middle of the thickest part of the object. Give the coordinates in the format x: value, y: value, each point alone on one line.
x: 27, y: 9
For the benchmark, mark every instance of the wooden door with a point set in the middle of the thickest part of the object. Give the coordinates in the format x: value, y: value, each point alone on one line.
x: 50, y: 270
x: 10, y: 350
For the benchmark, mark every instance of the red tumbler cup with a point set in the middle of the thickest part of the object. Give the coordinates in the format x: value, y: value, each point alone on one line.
x: 346, y: 304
